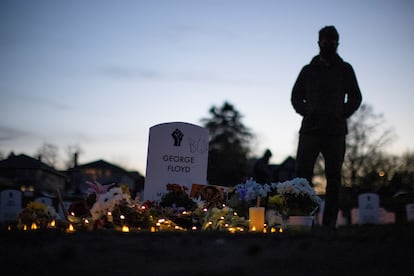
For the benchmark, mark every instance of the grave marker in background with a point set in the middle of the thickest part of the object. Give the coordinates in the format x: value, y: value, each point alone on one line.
x: 177, y: 154
x: 410, y: 211
x: 368, y: 208
x: 10, y: 205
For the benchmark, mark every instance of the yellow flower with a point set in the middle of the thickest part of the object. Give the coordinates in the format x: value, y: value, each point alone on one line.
x: 37, y: 207
x: 125, y: 189
x: 276, y: 200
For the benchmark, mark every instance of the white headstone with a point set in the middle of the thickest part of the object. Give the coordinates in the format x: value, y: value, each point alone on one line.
x: 45, y: 200
x: 177, y: 154
x: 368, y: 208
x: 10, y: 205
x: 410, y: 211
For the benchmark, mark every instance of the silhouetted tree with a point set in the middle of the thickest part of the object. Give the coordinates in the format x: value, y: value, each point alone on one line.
x: 229, y: 146
x: 365, y: 143
x: 403, y: 178
x: 48, y: 154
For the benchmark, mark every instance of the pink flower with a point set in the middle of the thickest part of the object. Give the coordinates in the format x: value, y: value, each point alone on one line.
x: 97, y: 188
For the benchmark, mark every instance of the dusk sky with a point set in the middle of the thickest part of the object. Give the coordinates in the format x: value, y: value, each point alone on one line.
x: 99, y: 74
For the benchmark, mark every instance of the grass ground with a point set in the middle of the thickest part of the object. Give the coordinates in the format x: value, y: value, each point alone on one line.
x: 352, y: 250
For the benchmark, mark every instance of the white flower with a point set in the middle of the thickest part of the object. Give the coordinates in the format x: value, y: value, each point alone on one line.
x: 200, y: 203
x: 107, y: 201
x: 273, y: 218
x: 97, y: 210
x: 297, y: 187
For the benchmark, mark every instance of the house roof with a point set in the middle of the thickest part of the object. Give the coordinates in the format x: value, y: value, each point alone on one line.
x: 23, y: 161
x: 101, y: 164
x: 106, y: 165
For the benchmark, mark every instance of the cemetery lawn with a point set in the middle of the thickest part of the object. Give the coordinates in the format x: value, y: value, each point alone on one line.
x: 350, y: 250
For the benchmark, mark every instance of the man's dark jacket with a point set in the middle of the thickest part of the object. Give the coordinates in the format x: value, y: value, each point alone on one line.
x: 326, y: 96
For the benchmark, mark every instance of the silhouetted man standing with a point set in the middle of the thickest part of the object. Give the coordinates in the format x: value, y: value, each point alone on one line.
x: 262, y: 173
x: 326, y: 93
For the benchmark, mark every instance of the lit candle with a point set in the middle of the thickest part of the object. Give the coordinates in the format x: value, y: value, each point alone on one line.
x: 109, y: 217
x: 256, y: 218
x: 34, y: 226
x: 70, y: 229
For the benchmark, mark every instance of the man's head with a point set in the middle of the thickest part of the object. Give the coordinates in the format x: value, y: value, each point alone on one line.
x: 328, y: 42
x: 267, y: 155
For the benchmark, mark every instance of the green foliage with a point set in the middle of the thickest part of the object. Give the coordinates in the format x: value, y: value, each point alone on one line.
x: 229, y: 146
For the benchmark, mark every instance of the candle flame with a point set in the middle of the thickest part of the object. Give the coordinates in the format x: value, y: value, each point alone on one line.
x: 70, y: 229
x: 34, y: 226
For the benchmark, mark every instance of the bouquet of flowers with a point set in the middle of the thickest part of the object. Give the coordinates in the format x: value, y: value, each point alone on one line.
x: 248, y: 194
x: 176, y: 197
x: 293, y: 197
x: 224, y: 219
x: 36, y: 215
x: 107, y: 206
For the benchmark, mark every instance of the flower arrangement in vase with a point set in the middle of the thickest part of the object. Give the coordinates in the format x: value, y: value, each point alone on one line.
x: 293, y: 198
